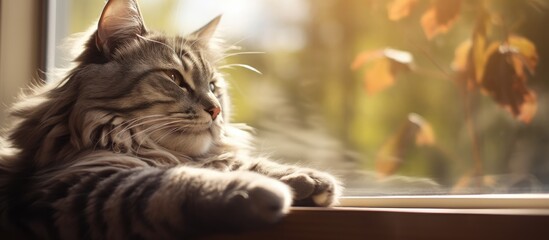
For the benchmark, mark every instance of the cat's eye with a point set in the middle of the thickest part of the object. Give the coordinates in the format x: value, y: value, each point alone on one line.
x: 172, y: 76
x: 176, y: 77
x: 212, y: 86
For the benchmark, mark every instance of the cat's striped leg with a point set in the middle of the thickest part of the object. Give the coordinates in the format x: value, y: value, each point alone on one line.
x: 151, y: 203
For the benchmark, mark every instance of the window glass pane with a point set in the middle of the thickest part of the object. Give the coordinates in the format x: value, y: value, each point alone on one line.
x: 394, y: 97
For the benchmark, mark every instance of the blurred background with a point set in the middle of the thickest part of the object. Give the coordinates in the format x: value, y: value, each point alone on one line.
x: 392, y: 96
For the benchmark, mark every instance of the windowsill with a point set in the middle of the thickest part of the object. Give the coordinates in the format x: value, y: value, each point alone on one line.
x: 455, y: 222
x: 487, y: 201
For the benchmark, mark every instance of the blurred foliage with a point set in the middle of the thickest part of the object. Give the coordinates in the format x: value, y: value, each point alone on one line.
x: 312, y: 107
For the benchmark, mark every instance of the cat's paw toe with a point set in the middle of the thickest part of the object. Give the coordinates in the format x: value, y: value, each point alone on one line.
x: 302, y: 184
x: 260, y: 202
x: 313, y: 188
x: 270, y: 200
x: 325, y: 198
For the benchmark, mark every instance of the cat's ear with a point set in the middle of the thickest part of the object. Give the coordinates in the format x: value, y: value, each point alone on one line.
x: 119, y: 21
x: 205, y: 33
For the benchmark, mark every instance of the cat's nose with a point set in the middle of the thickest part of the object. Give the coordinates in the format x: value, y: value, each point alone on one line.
x: 214, y: 111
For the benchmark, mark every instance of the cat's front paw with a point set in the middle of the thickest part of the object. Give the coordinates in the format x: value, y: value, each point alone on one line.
x: 313, y: 188
x: 259, y: 200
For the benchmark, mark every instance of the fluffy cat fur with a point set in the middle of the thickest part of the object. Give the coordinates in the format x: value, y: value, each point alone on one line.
x: 135, y: 143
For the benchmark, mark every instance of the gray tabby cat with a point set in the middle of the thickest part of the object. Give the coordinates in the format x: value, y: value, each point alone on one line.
x: 135, y: 143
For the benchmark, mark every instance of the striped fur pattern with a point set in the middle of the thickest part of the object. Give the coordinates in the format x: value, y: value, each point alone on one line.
x: 135, y: 143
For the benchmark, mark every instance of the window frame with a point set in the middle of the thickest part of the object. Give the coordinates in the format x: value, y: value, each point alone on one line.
x: 55, y: 11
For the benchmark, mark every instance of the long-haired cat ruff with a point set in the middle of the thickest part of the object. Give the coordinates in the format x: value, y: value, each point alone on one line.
x: 135, y: 142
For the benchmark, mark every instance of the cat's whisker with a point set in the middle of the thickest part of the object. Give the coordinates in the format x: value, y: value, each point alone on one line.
x: 231, y: 66
x: 126, y: 125
x: 174, y: 130
x: 235, y: 44
x: 150, y: 128
x: 165, y: 124
x: 131, y: 121
x: 162, y: 127
x: 135, y: 124
x: 236, y: 54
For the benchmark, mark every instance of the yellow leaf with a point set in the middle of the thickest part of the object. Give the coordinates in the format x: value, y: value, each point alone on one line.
x: 462, y: 64
x: 398, y: 9
x: 527, y: 51
x: 461, y: 56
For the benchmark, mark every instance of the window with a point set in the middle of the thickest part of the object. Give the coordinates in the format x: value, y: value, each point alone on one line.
x: 381, y: 93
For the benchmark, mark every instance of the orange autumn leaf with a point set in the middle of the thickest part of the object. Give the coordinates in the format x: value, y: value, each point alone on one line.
x: 379, y: 76
x: 392, y: 153
x: 398, y: 9
x: 425, y: 135
x: 440, y: 17
x: 499, y: 69
x: 414, y: 131
x: 528, y: 108
x: 365, y: 57
x: 385, y: 65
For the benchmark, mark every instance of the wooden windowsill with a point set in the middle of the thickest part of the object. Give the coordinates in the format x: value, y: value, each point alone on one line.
x: 407, y: 223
